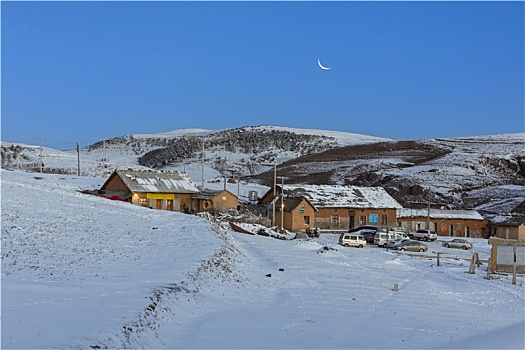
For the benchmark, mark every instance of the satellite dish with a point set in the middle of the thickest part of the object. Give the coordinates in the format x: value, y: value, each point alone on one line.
x: 321, y: 66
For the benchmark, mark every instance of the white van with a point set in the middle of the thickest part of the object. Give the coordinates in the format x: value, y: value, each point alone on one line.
x: 352, y: 240
x: 382, y: 238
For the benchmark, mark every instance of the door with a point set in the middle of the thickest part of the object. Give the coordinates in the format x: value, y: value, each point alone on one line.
x: 351, y: 221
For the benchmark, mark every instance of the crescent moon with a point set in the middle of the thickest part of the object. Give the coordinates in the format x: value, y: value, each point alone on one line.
x: 321, y: 66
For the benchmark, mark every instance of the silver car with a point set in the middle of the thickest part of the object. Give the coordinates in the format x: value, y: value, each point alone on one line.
x: 411, y: 246
x: 395, y: 242
x: 458, y: 243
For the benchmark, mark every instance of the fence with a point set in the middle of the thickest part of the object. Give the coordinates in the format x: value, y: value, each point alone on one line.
x: 507, y: 254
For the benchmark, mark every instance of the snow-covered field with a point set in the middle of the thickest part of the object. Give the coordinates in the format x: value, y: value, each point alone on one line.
x: 85, y: 272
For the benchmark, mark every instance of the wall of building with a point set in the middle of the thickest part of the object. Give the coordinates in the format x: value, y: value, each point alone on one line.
x: 179, y: 202
x: 509, y: 232
x: 297, y: 217
x: 116, y: 184
x: 341, y: 218
x: 446, y: 227
x: 294, y: 220
x: 224, y: 201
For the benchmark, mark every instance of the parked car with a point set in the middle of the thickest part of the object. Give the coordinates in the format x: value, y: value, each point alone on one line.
x: 425, y: 235
x: 458, y: 243
x: 382, y: 238
x: 402, y: 234
x: 367, y: 231
x: 352, y: 240
x: 368, y: 236
x: 363, y: 228
x: 398, y: 241
x: 412, y: 246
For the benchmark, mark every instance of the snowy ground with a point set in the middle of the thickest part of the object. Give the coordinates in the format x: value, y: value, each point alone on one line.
x: 86, y: 272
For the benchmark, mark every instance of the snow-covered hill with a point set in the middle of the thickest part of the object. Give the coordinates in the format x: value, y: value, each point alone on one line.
x: 81, y: 272
x: 244, y: 150
x: 486, y: 173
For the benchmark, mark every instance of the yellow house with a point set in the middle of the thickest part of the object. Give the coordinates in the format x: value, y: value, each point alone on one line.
x: 154, y: 189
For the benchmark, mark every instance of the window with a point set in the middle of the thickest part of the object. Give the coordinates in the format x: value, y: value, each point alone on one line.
x: 335, y: 210
x: 335, y: 220
x: 144, y: 202
x: 384, y: 220
x: 362, y: 219
x: 307, y: 220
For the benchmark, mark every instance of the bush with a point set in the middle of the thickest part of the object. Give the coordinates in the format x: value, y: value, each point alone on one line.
x: 262, y: 232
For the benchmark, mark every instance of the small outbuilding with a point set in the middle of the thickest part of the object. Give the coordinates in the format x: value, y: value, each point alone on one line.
x: 214, y: 201
x: 511, y: 226
x: 294, y: 213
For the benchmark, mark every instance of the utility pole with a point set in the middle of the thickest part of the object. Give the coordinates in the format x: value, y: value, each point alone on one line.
x: 282, y: 202
x: 274, y: 188
x: 428, y: 212
x: 78, y: 160
x: 41, y: 155
x: 202, y: 181
x: 238, y: 184
x: 104, y: 154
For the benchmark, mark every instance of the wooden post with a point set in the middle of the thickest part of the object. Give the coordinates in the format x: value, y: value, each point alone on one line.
x: 473, y: 263
x: 438, y: 254
x: 514, y: 265
x: 488, y: 270
x: 78, y: 159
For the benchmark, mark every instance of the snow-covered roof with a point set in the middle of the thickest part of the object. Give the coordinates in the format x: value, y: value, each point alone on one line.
x: 508, y: 220
x: 290, y: 203
x: 145, y: 181
x: 337, y: 196
x: 209, y: 194
x: 439, y: 214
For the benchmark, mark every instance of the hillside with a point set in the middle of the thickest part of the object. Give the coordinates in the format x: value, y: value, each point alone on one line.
x: 486, y: 173
x: 243, y: 150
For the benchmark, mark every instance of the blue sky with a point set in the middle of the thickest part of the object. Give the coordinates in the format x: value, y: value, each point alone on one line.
x: 85, y: 71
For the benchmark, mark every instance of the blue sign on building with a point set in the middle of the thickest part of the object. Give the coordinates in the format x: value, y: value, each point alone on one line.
x: 373, y: 218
